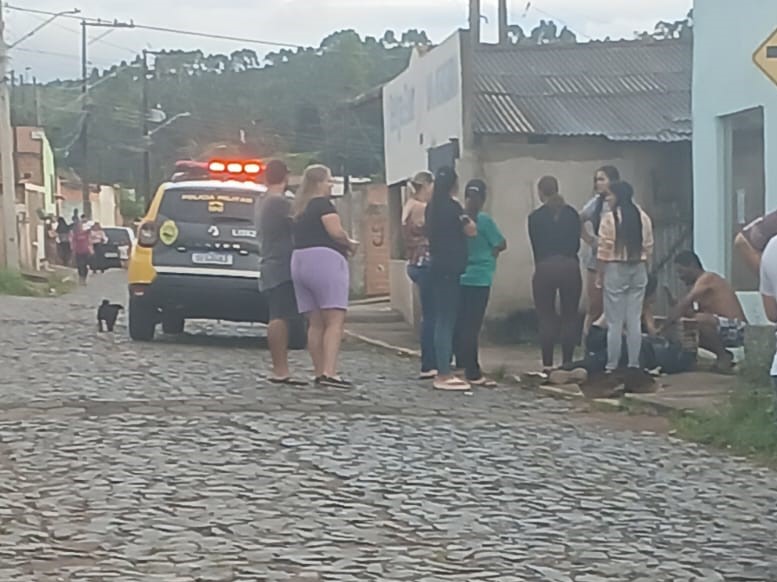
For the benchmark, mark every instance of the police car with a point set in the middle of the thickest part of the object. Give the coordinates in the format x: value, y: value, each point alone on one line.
x: 197, y: 254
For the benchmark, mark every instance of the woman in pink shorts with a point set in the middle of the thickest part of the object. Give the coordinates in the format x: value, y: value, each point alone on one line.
x: 319, y: 269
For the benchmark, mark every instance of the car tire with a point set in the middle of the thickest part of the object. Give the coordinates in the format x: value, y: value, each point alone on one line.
x: 142, y: 321
x: 173, y: 325
x: 298, y: 333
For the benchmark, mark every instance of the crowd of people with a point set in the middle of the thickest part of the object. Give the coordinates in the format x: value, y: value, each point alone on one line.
x: 78, y: 244
x: 452, y: 249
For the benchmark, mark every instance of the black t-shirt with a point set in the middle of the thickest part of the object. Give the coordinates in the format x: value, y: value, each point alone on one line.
x: 554, y: 233
x: 447, y: 241
x: 308, y: 229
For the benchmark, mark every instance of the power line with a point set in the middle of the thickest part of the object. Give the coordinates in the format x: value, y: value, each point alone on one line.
x: 166, y: 29
x: 192, y: 33
x: 78, y: 32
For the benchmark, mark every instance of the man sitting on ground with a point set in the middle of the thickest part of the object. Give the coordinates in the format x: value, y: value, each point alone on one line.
x: 712, y: 302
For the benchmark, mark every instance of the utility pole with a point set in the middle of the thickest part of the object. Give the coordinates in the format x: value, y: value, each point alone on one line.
x: 86, y: 106
x: 85, y: 194
x: 146, y: 152
x: 10, y: 240
x: 36, y: 102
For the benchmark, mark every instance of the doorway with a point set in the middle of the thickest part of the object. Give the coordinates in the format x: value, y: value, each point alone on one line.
x: 746, y: 184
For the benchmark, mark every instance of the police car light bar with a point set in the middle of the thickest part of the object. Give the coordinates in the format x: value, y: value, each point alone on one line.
x: 218, y: 169
x: 236, y: 168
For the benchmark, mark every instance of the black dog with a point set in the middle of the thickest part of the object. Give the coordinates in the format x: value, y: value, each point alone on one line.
x: 107, y: 314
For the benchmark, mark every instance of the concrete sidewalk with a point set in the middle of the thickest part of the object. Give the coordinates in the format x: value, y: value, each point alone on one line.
x: 379, y: 325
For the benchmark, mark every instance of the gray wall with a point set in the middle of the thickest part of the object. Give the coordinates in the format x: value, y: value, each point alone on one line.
x: 660, y: 173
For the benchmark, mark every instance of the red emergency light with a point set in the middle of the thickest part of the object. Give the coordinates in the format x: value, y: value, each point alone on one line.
x: 247, y: 170
x: 236, y: 168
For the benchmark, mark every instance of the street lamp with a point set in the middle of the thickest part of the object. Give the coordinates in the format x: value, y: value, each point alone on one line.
x: 167, y: 123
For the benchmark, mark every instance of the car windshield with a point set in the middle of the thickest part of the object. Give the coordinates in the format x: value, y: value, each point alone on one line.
x: 208, y: 206
x: 118, y: 236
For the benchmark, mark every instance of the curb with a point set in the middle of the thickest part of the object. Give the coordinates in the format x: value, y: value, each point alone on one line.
x: 606, y: 404
x: 383, y: 345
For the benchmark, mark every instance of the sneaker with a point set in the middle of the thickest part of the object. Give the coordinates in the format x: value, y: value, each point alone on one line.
x: 330, y: 382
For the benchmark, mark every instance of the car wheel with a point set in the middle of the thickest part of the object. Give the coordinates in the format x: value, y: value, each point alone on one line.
x: 142, y: 321
x: 298, y: 333
x: 172, y: 325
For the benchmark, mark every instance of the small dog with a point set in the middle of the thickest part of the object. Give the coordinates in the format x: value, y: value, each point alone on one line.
x: 107, y: 314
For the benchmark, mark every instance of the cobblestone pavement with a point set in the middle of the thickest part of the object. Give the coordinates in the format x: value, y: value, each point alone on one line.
x: 177, y: 462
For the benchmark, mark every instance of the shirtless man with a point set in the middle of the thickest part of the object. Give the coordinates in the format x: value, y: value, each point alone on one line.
x: 718, y: 312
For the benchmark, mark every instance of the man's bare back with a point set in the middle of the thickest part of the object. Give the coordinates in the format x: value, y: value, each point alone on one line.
x: 714, y: 295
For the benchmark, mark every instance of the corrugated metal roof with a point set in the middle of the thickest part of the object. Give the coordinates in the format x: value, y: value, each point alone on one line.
x: 626, y: 91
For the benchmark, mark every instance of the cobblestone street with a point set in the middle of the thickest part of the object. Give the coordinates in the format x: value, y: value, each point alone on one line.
x: 177, y: 462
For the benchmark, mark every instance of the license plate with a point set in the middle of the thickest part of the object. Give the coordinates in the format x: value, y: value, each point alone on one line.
x: 212, y: 259
x: 111, y: 255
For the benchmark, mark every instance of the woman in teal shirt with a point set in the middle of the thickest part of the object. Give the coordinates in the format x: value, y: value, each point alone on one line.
x: 476, y: 283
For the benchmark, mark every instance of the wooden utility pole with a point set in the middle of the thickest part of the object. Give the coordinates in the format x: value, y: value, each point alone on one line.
x: 10, y: 246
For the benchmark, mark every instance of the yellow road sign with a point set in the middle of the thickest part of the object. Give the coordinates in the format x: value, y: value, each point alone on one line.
x: 766, y: 57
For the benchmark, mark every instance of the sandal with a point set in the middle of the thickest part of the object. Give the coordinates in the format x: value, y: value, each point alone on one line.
x: 452, y: 385
x: 484, y: 382
x: 430, y: 375
x: 288, y: 381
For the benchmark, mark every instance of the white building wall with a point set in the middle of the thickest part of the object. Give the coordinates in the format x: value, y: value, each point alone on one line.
x: 727, y: 81
x: 422, y: 109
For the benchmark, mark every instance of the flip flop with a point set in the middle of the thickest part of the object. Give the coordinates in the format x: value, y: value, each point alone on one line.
x: 452, y: 385
x: 484, y: 383
x: 430, y: 375
x: 288, y: 381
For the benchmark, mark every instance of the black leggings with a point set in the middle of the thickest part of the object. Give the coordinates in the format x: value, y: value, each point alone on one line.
x: 82, y: 264
x: 472, y: 310
x: 557, y: 276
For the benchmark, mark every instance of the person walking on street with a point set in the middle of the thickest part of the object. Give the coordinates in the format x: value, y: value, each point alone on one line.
x: 625, y: 248
x: 591, y: 216
x: 483, y: 250
x: 277, y: 245
x: 319, y: 271
x: 448, y: 228
x: 417, y: 252
x: 554, y: 232
x: 81, y: 243
x: 98, y: 238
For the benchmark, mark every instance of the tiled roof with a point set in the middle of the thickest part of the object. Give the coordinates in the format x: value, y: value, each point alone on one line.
x: 626, y: 91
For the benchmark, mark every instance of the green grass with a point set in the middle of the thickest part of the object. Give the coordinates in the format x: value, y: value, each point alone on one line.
x: 14, y: 283
x: 746, y: 425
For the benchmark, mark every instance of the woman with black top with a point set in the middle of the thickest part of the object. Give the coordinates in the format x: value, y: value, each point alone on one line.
x: 447, y: 227
x: 554, y: 230
x: 319, y: 271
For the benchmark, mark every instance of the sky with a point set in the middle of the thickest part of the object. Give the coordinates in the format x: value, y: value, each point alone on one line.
x: 54, y: 52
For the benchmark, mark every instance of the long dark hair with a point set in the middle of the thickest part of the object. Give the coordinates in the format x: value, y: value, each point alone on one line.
x: 613, y: 175
x: 628, y: 223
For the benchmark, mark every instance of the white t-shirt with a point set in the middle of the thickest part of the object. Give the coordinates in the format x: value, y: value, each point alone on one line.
x: 769, y: 279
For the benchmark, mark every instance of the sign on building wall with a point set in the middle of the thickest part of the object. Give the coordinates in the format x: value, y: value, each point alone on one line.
x: 766, y: 57
x: 422, y: 109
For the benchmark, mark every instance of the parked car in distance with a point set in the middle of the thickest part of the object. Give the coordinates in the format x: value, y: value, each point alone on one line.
x: 123, y: 238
